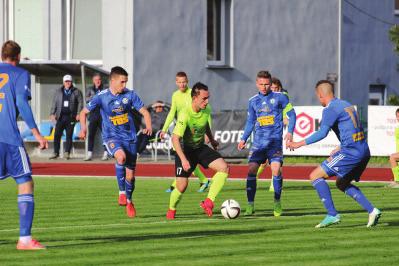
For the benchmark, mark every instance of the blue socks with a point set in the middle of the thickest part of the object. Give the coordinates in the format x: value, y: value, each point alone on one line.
x: 278, y: 186
x: 26, y: 206
x: 129, y: 188
x: 120, y: 176
x: 324, y: 192
x: 251, y: 188
x: 355, y: 193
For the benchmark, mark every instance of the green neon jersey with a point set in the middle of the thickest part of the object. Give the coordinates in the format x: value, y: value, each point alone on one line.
x: 191, y: 126
x: 180, y: 100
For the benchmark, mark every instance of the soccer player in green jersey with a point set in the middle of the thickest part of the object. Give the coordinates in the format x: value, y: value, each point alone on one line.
x: 394, y: 157
x: 192, y: 125
x: 181, y: 99
x: 276, y: 87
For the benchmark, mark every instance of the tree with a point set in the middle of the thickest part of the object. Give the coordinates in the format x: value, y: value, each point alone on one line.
x: 394, y: 37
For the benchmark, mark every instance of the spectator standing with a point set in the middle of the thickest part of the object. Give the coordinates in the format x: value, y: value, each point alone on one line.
x: 65, y: 109
x: 94, y: 117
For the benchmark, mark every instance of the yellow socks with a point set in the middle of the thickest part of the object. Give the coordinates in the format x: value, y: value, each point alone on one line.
x: 218, y: 181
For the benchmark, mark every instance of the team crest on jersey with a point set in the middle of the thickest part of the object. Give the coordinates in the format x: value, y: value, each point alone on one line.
x: 112, y: 145
x: 125, y: 100
x: 272, y: 101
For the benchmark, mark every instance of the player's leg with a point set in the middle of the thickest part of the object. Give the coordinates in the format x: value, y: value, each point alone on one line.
x: 204, y: 182
x: 212, y: 159
x: 344, y: 183
x: 251, y: 186
x: 259, y: 173
x: 130, y: 150
x: 318, y: 178
x: 181, y: 184
x: 115, y: 149
x: 277, y: 181
x: 15, y: 162
x: 393, y: 160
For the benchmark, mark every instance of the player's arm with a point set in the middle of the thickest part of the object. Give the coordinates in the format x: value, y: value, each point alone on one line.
x: 147, y: 120
x: 83, y: 127
x: 95, y: 101
x: 22, y: 101
x: 249, y: 125
x: 80, y: 103
x: 178, y: 133
x: 328, y: 119
x: 208, y: 133
x: 170, y: 117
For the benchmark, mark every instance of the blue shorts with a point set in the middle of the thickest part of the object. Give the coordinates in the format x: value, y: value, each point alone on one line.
x: 271, y: 150
x: 343, y: 164
x: 129, y: 147
x: 14, y: 162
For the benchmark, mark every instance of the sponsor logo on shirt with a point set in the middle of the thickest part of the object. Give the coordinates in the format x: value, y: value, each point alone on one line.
x: 125, y: 100
x: 266, y: 120
x: 119, y: 119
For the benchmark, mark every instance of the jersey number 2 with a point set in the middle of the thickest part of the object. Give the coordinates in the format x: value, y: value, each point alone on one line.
x: 3, y: 81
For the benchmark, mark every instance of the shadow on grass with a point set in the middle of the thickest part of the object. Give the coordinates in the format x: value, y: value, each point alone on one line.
x: 182, y: 235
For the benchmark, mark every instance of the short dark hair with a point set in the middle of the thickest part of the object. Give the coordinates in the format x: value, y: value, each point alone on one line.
x: 264, y: 74
x: 277, y: 82
x: 324, y: 81
x: 117, y: 70
x: 96, y: 74
x: 195, y: 91
x: 10, y: 50
x: 397, y: 111
x: 181, y: 74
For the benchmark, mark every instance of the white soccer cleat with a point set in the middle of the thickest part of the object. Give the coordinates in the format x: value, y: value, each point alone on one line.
x: 373, y: 217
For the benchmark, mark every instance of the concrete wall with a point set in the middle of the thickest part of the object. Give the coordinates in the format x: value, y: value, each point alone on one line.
x: 296, y: 41
x: 118, y: 35
x: 367, y: 53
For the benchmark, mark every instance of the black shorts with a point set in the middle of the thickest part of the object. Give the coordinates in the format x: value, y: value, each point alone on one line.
x: 203, y: 155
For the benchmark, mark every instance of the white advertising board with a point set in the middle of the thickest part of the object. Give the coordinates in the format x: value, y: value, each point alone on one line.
x: 308, y: 120
x: 381, y: 130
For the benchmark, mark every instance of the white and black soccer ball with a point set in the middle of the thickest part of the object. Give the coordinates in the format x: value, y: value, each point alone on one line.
x: 230, y: 209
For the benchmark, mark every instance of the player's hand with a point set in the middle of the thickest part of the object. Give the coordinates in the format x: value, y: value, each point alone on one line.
x: 43, y: 143
x: 288, y: 139
x: 77, y: 117
x: 82, y: 133
x: 162, y: 135
x: 147, y: 131
x: 186, y: 165
x: 294, y: 145
x: 334, y: 151
x: 215, y: 144
x: 52, y: 118
x: 207, y: 141
x: 241, y: 145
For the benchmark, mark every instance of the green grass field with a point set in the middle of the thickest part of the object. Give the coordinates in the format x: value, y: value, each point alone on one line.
x: 79, y: 221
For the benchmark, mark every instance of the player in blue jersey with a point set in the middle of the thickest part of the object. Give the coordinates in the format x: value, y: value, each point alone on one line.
x: 265, y: 118
x: 346, y: 162
x: 14, y: 97
x: 118, y: 130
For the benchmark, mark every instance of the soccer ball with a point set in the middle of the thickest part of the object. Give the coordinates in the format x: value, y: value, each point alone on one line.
x: 230, y: 209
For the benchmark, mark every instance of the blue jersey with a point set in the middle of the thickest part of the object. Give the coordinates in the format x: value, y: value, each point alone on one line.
x: 265, y: 116
x: 342, y: 118
x: 14, y: 82
x: 116, y: 113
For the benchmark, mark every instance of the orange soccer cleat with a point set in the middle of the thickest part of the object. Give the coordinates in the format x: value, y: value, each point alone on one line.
x: 32, y: 245
x: 122, y: 200
x: 170, y: 215
x: 130, y: 210
x: 207, y: 205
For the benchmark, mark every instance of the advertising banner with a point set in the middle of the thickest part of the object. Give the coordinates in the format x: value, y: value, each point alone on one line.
x: 381, y: 130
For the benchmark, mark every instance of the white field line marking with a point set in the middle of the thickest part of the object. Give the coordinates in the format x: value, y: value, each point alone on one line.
x: 163, y: 178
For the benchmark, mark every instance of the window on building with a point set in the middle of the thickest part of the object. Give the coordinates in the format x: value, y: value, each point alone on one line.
x: 26, y: 26
x: 396, y: 7
x: 219, y: 32
x: 377, y: 94
x: 85, y: 30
